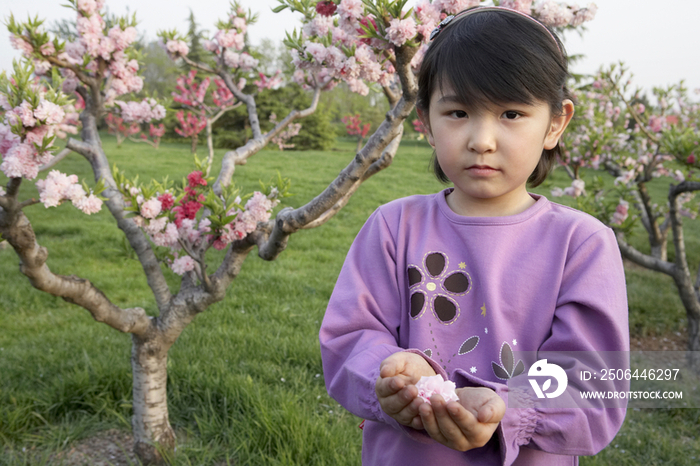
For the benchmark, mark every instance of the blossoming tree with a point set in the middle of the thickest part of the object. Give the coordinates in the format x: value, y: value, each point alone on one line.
x: 354, y: 127
x: 636, y: 143
x: 193, y: 95
x: 362, y: 44
x: 127, y: 120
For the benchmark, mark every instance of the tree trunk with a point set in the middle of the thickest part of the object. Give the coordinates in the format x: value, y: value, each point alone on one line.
x: 194, y: 143
x: 691, y: 303
x: 210, y: 146
x: 153, y: 435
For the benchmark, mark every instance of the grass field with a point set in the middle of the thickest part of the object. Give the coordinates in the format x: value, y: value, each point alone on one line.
x: 245, y: 379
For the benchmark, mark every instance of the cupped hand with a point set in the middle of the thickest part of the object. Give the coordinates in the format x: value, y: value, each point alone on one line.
x: 464, y: 424
x: 396, y: 389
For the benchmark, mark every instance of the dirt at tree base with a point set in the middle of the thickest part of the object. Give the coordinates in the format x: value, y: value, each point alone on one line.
x: 108, y: 448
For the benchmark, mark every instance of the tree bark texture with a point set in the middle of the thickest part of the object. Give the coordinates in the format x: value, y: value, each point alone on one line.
x: 679, y: 271
x: 151, y: 427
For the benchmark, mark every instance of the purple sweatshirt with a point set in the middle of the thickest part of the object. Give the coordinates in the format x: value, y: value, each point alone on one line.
x: 458, y: 291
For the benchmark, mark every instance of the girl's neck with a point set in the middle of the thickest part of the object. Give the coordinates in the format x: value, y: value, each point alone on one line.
x: 499, y: 207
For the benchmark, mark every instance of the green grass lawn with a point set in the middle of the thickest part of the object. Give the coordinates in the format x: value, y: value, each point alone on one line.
x: 245, y: 379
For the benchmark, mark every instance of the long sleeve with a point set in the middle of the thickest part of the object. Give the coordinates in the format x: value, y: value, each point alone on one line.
x: 360, y: 326
x: 590, y: 324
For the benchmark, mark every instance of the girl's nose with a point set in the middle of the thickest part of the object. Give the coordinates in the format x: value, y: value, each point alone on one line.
x: 482, y: 137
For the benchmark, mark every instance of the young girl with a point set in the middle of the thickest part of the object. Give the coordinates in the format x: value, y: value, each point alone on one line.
x: 453, y: 283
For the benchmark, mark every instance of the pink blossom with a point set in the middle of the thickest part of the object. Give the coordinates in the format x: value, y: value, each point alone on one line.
x: 554, y: 14
x: 188, y: 230
x: 401, y: 30
x: 427, y: 12
x: 177, y: 48
x: 358, y: 86
x: 20, y: 161
x: 155, y: 225
x: 656, y: 123
x: 455, y: 6
x: 326, y: 8
x: 4, y: 104
x: 166, y: 201
x: 230, y: 38
x: 25, y: 113
x: 210, y: 46
x: 232, y: 59
x: 75, y: 52
x: 576, y: 189
x: 87, y: 6
x: 49, y: 113
x: 7, y: 139
x: 41, y: 67
x: 58, y: 187
x: 107, y: 46
x: 350, y: 9
x: 47, y: 49
x: 22, y: 45
x: 183, y: 264
x: 122, y: 39
x: 89, y: 204
x: 557, y: 192
x: 141, y: 112
x: 621, y: 213
x: 583, y: 15
x: 626, y: 177
x: 319, y: 26
x: 36, y: 135
x: 167, y: 237
x: 247, y: 62
x: 2, y: 191
x: 240, y: 24
x: 522, y: 6
x: 436, y: 385
x: 151, y: 208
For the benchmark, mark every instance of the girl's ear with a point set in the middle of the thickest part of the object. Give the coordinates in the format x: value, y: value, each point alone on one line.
x: 426, y: 123
x: 559, y: 124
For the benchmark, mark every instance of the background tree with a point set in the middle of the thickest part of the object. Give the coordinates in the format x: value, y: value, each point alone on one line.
x: 638, y: 144
x: 209, y: 107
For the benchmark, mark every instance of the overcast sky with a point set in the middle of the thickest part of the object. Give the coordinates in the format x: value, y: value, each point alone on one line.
x: 657, y: 40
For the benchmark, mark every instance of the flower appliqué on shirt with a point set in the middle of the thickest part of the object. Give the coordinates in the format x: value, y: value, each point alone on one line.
x: 434, y: 285
x: 508, y: 368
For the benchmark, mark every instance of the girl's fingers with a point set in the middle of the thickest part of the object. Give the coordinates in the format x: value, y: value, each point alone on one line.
x: 430, y: 424
x: 492, y: 411
x: 389, y: 386
x: 441, y: 427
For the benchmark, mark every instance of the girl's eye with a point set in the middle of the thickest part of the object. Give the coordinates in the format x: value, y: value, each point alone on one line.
x: 459, y: 114
x: 511, y: 114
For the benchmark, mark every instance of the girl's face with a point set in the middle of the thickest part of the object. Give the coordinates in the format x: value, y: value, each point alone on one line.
x: 489, y: 153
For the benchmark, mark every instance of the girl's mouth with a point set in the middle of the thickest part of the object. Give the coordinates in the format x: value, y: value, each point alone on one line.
x: 481, y: 170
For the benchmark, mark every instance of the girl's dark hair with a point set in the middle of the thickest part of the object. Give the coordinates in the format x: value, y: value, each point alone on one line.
x: 497, y: 56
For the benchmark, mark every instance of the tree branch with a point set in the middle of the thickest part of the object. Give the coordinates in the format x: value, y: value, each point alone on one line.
x: 91, y: 148
x: 199, y: 66
x: 384, y: 161
x: 15, y: 227
x: 60, y: 156
x: 646, y: 261
x: 253, y: 146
